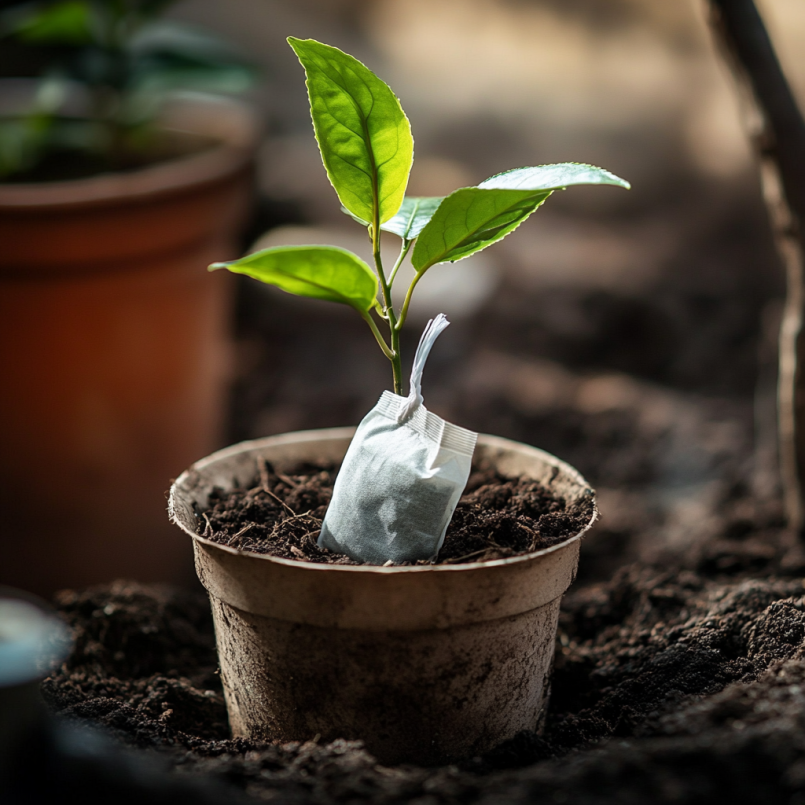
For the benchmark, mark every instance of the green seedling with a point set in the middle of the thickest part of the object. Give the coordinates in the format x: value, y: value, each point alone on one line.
x: 366, y: 145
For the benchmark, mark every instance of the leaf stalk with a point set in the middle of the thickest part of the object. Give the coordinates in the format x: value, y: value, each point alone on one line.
x: 406, y: 247
x: 407, y: 302
x: 367, y: 317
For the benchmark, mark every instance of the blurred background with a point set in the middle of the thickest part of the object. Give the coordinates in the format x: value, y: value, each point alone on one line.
x: 631, y: 333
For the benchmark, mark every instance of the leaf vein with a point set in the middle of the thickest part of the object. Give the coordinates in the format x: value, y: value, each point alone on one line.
x: 353, y: 165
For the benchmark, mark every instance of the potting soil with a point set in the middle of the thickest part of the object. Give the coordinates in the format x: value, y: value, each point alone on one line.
x: 496, y: 517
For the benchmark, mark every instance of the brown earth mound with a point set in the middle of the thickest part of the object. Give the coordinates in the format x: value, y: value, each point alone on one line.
x: 669, y: 687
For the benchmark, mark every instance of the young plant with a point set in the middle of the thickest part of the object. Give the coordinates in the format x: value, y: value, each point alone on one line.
x: 366, y: 145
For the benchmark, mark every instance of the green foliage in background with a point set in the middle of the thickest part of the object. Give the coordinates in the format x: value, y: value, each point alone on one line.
x: 366, y: 145
x: 111, y: 64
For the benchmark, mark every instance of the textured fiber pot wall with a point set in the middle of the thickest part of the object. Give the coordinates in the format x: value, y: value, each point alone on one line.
x: 425, y: 664
x: 113, y: 342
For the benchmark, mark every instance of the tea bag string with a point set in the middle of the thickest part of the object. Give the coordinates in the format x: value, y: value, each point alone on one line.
x: 429, y: 336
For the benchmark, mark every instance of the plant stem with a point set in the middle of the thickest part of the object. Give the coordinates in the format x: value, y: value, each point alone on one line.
x: 367, y: 317
x: 394, y: 357
x: 406, y: 247
x: 396, y: 361
x: 404, y: 311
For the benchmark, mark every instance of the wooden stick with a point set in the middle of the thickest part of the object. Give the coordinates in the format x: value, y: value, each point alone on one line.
x: 777, y: 131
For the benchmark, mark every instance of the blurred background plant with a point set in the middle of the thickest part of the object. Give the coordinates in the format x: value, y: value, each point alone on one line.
x: 106, y: 69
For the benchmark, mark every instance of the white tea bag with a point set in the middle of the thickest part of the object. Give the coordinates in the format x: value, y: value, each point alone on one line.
x: 401, y: 478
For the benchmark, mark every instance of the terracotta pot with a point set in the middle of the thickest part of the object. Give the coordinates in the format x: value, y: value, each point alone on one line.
x: 425, y: 664
x: 113, y: 342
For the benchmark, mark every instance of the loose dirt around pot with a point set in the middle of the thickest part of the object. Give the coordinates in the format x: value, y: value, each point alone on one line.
x: 669, y: 687
x: 281, y: 513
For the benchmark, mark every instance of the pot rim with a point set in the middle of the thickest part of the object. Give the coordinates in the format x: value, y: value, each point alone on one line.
x: 347, y: 432
x: 233, y: 123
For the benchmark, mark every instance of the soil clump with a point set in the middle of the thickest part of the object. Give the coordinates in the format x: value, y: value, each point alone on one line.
x: 281, y: 514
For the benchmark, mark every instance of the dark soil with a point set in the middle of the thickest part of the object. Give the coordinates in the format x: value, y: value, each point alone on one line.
x: 281, y: 514
x: 669, y: 687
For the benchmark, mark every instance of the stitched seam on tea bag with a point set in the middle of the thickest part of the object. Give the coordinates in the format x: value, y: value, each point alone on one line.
x: 389, y: 404
x: 427, y: 424
x: 458, y: 439
x: 431, y: 426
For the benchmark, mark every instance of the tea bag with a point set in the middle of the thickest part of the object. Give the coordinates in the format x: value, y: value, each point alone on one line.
x: 401, y: 478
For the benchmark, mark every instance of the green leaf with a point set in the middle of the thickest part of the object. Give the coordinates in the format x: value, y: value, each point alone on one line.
x: 476, y: 217
x: 552, y: 177
x: 363, y: 134
x: 411, y: 219
x: 470, y: 220
x: 317, y: 272
x: 413, y: 216
x: 63, y: 23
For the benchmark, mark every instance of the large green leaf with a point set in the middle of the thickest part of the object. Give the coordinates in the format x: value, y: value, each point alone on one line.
x: 552, y: 177
x: 362, y: 131
x: 470, y: 220
x: 476, y: 217
x: 412, y: 217
x: 318, y: 272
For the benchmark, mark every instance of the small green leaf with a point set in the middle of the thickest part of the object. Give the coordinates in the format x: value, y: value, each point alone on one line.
x: 476, y: 217
x: 552, y: 177
x: 411, y: 219
x: 317, y: 272
x: 363, y: 134
x: 470, y: 220
x: 413, y: 216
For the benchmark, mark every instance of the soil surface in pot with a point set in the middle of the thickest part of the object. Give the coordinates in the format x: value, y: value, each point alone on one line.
x: 281, y: 514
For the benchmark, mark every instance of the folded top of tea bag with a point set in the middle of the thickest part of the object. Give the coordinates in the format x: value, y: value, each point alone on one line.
x: 401, y: 478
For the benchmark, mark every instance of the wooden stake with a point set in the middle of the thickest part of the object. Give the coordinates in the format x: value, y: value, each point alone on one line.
x: 777, y: 131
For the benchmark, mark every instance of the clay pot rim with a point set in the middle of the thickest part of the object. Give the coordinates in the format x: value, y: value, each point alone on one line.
x: 237, y: 136
x: 347, y: 432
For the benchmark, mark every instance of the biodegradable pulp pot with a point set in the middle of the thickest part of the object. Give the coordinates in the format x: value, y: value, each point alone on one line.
x: 113, y: 342
x: 424, y: 664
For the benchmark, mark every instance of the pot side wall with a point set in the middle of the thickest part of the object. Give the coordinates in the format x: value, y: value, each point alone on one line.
x: 426, y: 697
